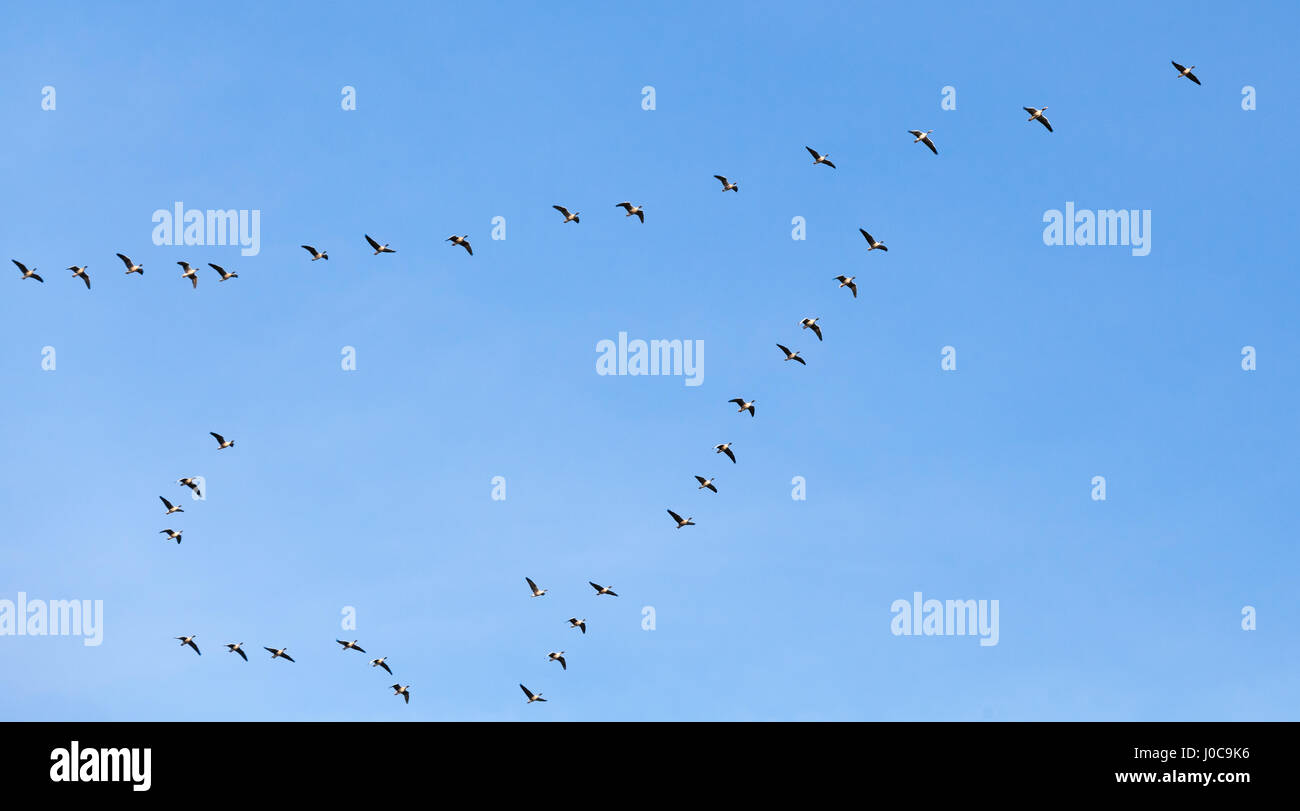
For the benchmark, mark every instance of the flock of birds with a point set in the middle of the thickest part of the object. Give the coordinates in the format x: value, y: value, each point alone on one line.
x: 743, y: 405
x: 238, y: 647
x: 918, y: 137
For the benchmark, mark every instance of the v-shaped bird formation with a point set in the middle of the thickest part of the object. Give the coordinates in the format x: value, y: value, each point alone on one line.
x: 744, y: 404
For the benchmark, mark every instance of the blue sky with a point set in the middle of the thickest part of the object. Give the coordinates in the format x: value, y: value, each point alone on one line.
x: 372, y: 488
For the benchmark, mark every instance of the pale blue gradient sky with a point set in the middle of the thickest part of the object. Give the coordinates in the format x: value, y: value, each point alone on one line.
x: 372, y: 488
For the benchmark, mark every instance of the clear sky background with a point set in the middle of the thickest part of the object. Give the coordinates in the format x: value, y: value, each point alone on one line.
x: 372, y: 488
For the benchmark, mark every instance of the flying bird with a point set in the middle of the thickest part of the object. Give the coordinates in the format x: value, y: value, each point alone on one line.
x: 744, y: 406
x: 172, y: 535
x: 170, y: 508
x: 727, y: 185
x: 725, y: 447
x: 315, y: 254
x: 818, y: 158
x: 221, y: 441
x: 873, y: 244
x: 601, y: 589
x: 131, y: 267
x: 237, y: 647
x: 578, y: 623
x: 351, y: 645
x: 190, y: 483
x: 924, y: 137
x: 1182, y: 71
x: 1036, y: 112
x: 847, y: 281
x: 190, y: 273
x: 404, y: 692
x: 189, y: 640
x: 224, y: 275
x: 536, y: 591
x: 631, y: 209
x: 681, y: 522
x: 280, y: 654
x: 791, y: 355
x: 706, y: 483
x: 461, y: 241
x: 27, y: 274
x: 531, y: 697
x: 381, y: 663
x: 567, y: 216
x: 553, y: 656
x: 811, y: 323
x: 379, y: 248
x: 81, y: 271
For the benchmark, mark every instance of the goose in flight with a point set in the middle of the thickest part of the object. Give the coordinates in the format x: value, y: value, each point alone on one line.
x: 190, y: 273
x: 170, y: 508
x: 131, y: 267
x: 1182, y: 71
x: 725, y: 447
x: 280, y: 654
x: 631, y: 209
x: 224, y: 275
x: 531, y: 697
x: 744, y: 406
x: 536, y: 591
x: 811, y: 323
x: 461, y: 241
x: 190, y: 483
x: 404, y: 692
x: 847, y: 281
x: 553, y: 656
x: 222, y: 442
x: 706, y: 483
x: 873, y: 244
x: 381, y: 663
x: 681, y: 522
x: 172, y: 535
x: 924, y: 137
x: 237, y: 647
x: 351, y: 645
x: 1037, y: 112
x: 791, y: 355
x: 602, y: 589
x: 189, y: 640
x: 379, y: 248
x: 578, y: 623
x: 567, y: 216
x: 727, y: 185
x: 81, y: 271
x: 27, y: 274
x: 315, y: 254
x: 818, y: 158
